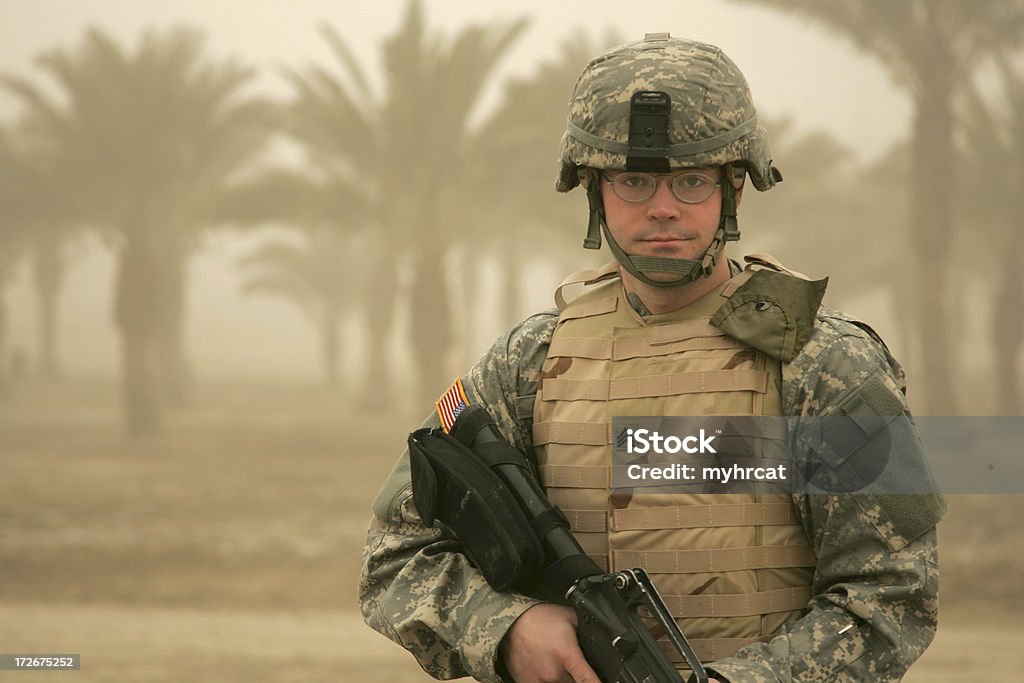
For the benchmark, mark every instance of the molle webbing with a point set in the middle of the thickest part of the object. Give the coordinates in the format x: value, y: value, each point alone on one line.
x: 703, y: 516
x: 713, y: 649
x: 753, y: 604
x: 727, y: 564
x: 583, y: 477
x: 598, y: 349
x: 655, y: 385
x: 588, y: 520
x: 593, y: 308
x: 686, y: 517
x: 572, y: 432
x: 716, y: 559
x: 591, y: 434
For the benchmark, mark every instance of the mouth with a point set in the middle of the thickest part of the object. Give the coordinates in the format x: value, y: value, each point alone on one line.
x: 666, y: 239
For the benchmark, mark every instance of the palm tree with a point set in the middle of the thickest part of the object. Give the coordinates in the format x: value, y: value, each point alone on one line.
x: 308, y: 276
x: 788, y: 220
x: 930, y: 47
x: 513, y: 180
x: 33, y: 203
x: 10, y: 253
x: 994, y: 140
x: 327, y: 276
x: 14, y: 206
x: 813, y: 213
x: 53, y: 227
x: 148, y: 140
x: 408, y: 153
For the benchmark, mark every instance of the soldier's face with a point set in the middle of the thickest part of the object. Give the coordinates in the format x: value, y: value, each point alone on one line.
x: 663, y: 225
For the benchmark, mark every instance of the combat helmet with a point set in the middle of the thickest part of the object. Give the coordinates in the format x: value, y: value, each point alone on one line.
x: 656, y: 105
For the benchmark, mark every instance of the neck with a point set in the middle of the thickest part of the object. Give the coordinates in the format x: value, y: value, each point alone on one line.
x: 667, y: 299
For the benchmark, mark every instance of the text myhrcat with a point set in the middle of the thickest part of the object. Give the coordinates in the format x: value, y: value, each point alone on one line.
x: 717, y: 474
x: 643, y: 441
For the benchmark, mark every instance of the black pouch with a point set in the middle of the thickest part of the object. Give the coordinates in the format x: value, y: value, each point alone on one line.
x: 452, y: 485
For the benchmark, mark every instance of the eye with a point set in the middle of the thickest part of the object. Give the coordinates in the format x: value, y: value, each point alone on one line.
x: 634, y: 180
x: 693, y: 181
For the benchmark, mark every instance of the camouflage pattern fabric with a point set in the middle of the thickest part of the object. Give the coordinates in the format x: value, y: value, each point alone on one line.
x: 416, y: 588
x: 875, y: 594
x: 713, y: 120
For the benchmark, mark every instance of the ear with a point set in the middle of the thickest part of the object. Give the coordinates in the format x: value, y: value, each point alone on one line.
x: 739, y: 193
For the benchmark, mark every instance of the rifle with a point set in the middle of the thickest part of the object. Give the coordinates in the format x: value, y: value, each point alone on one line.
x: 483, y: 490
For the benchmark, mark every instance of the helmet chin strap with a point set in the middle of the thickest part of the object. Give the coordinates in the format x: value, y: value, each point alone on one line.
x: 642, y: 267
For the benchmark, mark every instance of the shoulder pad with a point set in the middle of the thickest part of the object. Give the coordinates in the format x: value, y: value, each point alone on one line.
x: 585, y: 277
x: 772, y: 311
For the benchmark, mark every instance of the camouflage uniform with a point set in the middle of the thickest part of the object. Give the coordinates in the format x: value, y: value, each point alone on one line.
x: 876, y: 555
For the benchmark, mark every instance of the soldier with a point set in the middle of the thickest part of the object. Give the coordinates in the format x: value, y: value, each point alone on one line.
x: 662, y: 134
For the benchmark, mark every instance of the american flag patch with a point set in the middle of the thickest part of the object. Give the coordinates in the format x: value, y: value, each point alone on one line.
x: 451, y: 403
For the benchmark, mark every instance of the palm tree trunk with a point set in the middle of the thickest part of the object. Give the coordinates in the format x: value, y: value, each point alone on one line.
x: 1008, y: 330
x: 140, y: 360
x: 431, y: 327
x: 174, y: 367
x: 3, y: 334
x: 932, y: 232
x: 380, y: 314
x: 512, y: 290
x: 329, y: 349
x: 48, y: 274
x: 137, y: 315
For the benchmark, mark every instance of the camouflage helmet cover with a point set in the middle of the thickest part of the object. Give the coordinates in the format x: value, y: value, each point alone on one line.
x: 712, y: 121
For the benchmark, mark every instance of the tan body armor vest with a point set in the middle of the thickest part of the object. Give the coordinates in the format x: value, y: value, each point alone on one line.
x: 732, y: 568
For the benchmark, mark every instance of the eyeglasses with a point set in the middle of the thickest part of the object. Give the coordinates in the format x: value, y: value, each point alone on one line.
x: 689, y: 187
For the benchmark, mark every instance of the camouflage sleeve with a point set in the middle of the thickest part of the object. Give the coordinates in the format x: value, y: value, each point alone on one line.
x: 875, y: 595
x: 416, y: 587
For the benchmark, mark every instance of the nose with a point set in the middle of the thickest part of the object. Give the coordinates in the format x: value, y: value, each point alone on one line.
x: 663, y: 204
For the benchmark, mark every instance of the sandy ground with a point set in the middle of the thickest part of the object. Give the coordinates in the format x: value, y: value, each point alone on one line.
x: 227, y: 548
x: 133, y: 644
x: 137, y: 644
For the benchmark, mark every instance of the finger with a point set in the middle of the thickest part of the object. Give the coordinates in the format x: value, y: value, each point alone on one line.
x: 580, y: 670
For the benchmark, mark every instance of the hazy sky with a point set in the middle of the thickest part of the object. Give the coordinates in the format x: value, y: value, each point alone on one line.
x: 794, y: 69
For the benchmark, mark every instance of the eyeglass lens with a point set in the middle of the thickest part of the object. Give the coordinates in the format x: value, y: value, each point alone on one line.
x: 688, y: 187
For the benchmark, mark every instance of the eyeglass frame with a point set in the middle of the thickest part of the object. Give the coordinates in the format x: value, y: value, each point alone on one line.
x: 654, y: 177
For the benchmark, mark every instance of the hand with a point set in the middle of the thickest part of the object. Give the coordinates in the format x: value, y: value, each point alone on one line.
x: 541, y: 647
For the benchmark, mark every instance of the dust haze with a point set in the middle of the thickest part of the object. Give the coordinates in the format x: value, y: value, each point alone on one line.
x: 218, y: 325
